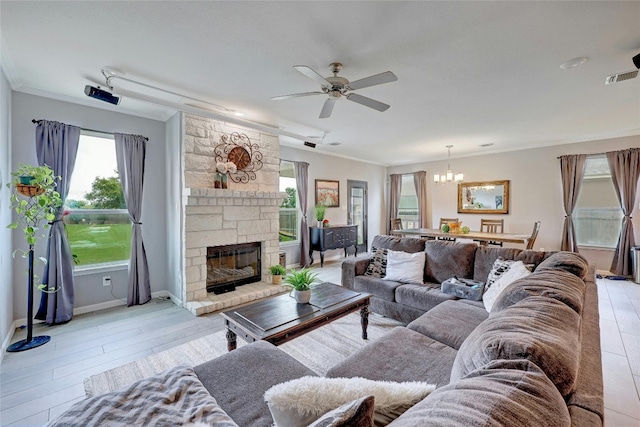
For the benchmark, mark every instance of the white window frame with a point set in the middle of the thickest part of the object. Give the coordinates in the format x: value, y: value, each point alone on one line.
x: 603, y: 212
x: 296, y: 209
x: 409, y: 223
x: 105, y: 267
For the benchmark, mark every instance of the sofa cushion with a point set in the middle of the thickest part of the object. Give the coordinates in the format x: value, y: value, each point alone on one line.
x: 517, y: 270
x: 378, y: 264
x: 385, y: 289
x: 569, y: 261
x: 357, y: 413
x: 245, y: 404
x: 404, y: 244
x: 559, y: 284
x: 423, y: 297
x: 450, y: 322
x: 405, y: 267
x: 301, y: 401
x: 448, y: 259
x: 504, y: 393
x: 399, y: 355
x: 539, y: 329
x: 486, y: 256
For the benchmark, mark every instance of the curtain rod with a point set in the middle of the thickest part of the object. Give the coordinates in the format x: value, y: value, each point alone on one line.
x: 90, y: 130
x: 602, y: 154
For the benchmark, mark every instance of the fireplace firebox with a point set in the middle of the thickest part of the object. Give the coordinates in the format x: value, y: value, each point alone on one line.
x: 229, y: 266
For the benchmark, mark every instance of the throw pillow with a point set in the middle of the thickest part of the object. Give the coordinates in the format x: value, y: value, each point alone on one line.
x: 378, y: 263
x: 301, y: 401
x: 500, y: 266
x: 405, y: 267
x: 517, y: 271
x: 358, y: 413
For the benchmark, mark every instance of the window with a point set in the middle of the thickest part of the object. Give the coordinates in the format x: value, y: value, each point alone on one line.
x: 597, y: 217
x: 289, y: 218
x: 96, y: 219
x: 408, y: 207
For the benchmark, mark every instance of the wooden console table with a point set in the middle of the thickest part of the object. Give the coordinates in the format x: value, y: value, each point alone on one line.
x: 333, y: 237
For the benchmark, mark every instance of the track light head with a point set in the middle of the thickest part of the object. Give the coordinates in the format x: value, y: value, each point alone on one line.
x: 636, y: 61
x: 102, y: 95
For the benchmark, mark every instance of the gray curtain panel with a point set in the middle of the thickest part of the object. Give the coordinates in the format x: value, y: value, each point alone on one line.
x: 302, y: 185
x: 130, y: 154
x: 395, y: 187
x: 572, y: 172
x: 56, y: 147
x: 625, y: 171
x: 420, y: 181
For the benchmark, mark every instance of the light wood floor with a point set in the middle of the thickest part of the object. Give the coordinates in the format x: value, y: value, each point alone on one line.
x: 39, y: 384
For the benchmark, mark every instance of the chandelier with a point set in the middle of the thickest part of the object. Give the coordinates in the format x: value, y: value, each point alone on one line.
x: 449, y: 176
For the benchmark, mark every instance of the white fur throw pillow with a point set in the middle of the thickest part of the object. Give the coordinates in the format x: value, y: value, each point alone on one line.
x: 301, y: 401
x: 405, y: 267
x: 517, y: 271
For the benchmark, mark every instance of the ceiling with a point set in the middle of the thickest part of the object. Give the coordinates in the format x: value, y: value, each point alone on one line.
x: 469, y: 73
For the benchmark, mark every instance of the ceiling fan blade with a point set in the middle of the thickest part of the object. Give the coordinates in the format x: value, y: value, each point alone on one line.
x: 327, y: 108
x: 378, y: 79
x: 368, y: 102
x: 312, y: 75
x: 295, y: 95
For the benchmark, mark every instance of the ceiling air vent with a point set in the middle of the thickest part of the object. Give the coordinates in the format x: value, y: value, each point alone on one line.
x: 615, y: 78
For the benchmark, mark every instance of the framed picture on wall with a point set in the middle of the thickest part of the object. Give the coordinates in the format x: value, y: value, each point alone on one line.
x: 328, y: 193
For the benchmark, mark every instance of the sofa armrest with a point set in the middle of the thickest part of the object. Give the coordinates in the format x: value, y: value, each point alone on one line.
x: 353, y: 267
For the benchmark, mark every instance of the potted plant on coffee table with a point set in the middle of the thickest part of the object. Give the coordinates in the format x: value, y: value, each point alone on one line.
x: 300, y: 283
x: 34, y: 200
x: 277, y: 271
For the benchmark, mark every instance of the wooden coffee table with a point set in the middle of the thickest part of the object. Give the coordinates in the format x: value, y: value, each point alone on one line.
x: 280, y: 319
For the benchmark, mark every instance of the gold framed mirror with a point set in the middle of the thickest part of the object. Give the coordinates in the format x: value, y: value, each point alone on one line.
x: 488, y: 197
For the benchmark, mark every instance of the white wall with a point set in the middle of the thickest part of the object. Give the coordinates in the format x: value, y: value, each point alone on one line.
x: 6, y: 270
x: 536, y: 190
x: 88, y: 288
x: 322, y: 166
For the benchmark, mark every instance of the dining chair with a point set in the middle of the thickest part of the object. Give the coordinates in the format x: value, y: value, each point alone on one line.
x: 444, y: 221
x: 492, y: 226
x: 534, y: 234
x: 396, y: 224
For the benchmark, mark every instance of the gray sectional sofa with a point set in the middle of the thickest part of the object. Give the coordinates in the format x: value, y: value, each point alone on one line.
x: 534, y: 360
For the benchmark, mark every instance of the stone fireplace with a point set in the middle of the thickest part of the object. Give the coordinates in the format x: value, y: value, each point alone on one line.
x: 212, y: 217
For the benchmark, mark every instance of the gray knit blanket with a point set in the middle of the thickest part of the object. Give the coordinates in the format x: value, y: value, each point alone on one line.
x: 172, y: 398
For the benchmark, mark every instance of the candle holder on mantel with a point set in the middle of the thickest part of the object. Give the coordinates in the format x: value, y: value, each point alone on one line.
x: 220, y: 180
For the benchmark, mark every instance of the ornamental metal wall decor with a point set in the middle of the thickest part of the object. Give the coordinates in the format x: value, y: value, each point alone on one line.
x: 238, y: 149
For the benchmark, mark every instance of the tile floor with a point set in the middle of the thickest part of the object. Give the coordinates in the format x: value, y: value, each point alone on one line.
x: 37, y: 385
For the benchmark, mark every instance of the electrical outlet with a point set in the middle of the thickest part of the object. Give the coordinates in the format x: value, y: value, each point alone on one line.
x: 106, y: 281
x: 541, y: 249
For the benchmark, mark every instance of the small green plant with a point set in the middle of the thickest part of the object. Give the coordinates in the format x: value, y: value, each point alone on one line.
x: 41, y: 204
x: 277, y: 270
x: 301, y: 280
x: 320, y: 211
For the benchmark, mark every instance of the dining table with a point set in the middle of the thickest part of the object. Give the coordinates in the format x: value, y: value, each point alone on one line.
x: 482, y: 237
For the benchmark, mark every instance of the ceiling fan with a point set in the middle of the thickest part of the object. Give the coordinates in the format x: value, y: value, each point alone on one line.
x: 336, y: 87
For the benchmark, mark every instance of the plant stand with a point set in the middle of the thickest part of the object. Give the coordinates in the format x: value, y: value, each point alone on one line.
x: 31, y: 341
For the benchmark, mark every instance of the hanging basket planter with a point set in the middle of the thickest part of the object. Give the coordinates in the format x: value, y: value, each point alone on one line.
x: 29, y: 190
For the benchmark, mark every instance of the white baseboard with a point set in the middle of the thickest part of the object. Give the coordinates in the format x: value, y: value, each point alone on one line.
x: 82, y: 310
